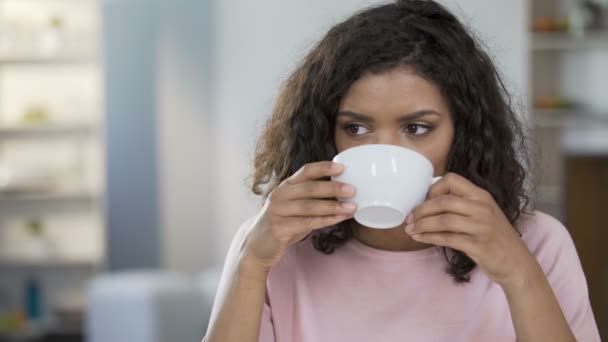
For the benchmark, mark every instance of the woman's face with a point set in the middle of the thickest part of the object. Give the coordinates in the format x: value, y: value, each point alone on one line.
x: 396, y: 107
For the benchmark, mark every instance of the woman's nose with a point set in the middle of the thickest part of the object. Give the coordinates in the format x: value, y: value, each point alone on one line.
x: 389, y: 139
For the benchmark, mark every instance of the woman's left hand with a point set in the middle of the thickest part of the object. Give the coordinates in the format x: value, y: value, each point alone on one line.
x: 460, y: 215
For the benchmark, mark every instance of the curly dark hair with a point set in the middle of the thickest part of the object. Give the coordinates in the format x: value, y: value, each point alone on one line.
x: 489, y: 146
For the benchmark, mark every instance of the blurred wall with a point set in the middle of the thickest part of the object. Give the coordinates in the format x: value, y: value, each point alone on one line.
x: 186, y: 134
x: 132, y: 196
x: 503, y: 27
x: 160, y: 155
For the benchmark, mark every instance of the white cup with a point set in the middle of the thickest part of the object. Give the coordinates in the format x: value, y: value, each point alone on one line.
x: 390, y: 181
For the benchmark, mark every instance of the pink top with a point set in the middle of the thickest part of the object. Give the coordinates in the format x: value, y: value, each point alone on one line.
x: 360, y: 293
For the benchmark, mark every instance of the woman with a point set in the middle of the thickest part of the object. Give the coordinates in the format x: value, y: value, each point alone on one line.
x: 469, y: 264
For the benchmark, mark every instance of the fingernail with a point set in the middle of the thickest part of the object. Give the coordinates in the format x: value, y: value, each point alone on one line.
x: 348, y: 205
x: 416, y: 236
x: 336, y: 167
x: 409, y: 219
x: 348, y: 189
x: 409, y: 228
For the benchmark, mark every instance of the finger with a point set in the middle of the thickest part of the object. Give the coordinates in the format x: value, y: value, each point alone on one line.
x: 446, y: 204
x: 314, y: 208
x: 450, y: 223
x: 317, y: 189
x: 310, y: 223
x: 455, y: 184
x: 461, y: 242
x: 315, y: 170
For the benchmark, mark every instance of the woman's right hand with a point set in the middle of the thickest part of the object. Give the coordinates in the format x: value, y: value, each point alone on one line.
x: 293, y: 209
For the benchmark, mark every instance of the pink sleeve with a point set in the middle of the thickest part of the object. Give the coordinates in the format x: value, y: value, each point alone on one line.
x: 554, y: 249
x: 266, y: 328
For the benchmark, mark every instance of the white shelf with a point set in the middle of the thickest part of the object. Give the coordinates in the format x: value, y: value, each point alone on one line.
x: 6, y: 59
x: 588, y: 141
x: 568, y: 118
x: 19, y: 204
x: 53, y: 263
x: 45, y: 196
x: 46, y: 131
x: 555, y: 41
x: 581, y: 133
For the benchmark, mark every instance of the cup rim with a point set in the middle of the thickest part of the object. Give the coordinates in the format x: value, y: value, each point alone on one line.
x: 395, y: 147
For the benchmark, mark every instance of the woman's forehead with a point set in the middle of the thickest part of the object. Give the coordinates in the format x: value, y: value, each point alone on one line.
x: 392, y: 93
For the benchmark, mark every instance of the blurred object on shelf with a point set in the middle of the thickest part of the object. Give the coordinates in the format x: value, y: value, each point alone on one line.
x: 34, y: 246
x: 604, y: 8
x: 12, y: 323
x: 551, y: 102
x: 52, y: 37
x: 33, y: 299
x: 547, y: 24
x: 582, y: 16
x: 11, y: 319
x: 33, y: 302
x: 578, y: 19
x: 561, y: 41
x: 595, y: 15
x: 36, y: 115
x: 38, y: 246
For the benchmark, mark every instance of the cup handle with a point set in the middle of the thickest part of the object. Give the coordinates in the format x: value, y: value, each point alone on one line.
x: 435, y: 179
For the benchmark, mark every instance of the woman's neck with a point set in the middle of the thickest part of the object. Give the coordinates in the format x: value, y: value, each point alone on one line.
x: 392, y: 239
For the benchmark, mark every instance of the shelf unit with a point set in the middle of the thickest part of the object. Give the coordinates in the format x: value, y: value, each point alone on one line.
x: 47, y: 131
x: 552, y: 55
x: 574, y: 67
x: 47, y: 60
x: 49, y: 203
x: 21, y: 203
x: 70, y: 136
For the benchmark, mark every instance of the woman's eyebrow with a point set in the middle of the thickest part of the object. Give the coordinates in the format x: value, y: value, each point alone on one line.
x: 407, y: 117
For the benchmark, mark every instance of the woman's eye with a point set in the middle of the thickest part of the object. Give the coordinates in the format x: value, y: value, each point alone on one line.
x: 417, y: 129
x: 355, y: 129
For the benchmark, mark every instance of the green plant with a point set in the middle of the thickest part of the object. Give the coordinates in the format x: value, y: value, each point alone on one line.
x: 35, y: 227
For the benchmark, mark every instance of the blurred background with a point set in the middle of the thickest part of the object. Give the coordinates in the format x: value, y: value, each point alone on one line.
x: 127, y: 130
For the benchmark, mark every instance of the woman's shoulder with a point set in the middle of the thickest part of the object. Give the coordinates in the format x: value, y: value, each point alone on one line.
x: 546, y: 237
x: 537, y: 226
